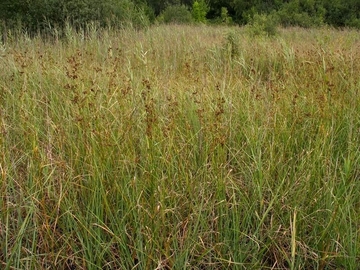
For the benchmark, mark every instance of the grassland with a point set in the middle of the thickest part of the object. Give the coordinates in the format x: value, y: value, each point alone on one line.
x: 181, y: 147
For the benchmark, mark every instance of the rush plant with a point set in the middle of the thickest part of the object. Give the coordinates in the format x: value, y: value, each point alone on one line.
x: 155, y: 149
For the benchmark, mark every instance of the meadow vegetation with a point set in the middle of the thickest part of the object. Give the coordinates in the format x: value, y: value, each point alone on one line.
x: 181, y: 147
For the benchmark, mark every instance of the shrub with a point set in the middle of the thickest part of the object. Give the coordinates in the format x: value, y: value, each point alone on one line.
x: 224, y: 15
x: 263, y: 25
x: 353, y: 22
x: 176, y: 14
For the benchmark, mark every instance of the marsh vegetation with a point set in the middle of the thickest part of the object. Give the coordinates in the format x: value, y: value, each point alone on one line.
x: 181, y: 147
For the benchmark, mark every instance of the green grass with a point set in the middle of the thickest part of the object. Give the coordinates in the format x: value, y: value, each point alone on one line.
x: 181, y: 147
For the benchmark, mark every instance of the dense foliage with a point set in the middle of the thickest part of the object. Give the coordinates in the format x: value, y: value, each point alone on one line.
x: 42, y: 15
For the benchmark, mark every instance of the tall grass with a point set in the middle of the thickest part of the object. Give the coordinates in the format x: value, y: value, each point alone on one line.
x: 181, y: 147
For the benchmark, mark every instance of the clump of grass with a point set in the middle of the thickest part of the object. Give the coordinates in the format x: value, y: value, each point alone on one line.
x: 165, y: 155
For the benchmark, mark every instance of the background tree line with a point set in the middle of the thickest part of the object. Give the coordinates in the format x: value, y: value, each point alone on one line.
x: 42, y: 15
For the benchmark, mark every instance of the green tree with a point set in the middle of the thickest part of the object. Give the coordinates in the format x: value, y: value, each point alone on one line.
x: 342, y: 12
x: 160, y: 5
x: 305, y: 13
x: 199, y: 11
